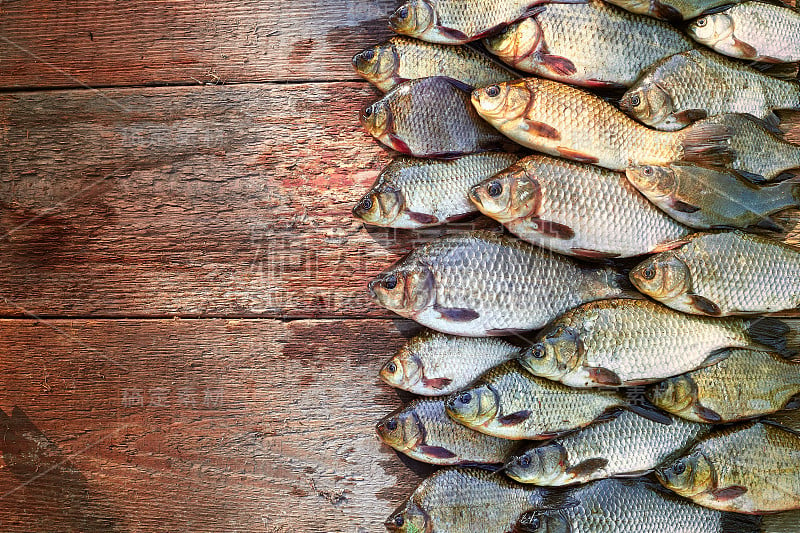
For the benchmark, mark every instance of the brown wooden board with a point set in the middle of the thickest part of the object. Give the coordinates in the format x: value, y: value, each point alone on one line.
x: 197, y: 425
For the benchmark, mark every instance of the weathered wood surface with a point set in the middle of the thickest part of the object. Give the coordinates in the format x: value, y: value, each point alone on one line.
x: 197, y: 425
x: 144, y: 42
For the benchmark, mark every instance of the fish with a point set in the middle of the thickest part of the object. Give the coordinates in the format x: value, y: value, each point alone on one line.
x: 592, y: 44
x: 423, y: 431
x: 673, y: 92
x: 546, y: 201
x: 760, y: 154
x: 785, y: 522
x: 468, y: 500
x: 752, y: 469
x: 627, y: 342
x: 709, y: 198
x: 632, y: 506
x: 789, y: 418
x: 457, y: 21
x: 756, y: 31
x: 401, y: 59
x: 480, y: 284
x: 510, y: 403
x: 415, y: 193
x: 433, y: 363
x: 430, y: 117
x: 565, y: 121
x: 721, y: 274
x: 625, y: 445
x: 747, y: 383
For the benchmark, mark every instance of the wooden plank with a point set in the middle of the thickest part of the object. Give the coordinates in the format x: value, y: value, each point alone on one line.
x: 197, y: 425
x: 111, y: 43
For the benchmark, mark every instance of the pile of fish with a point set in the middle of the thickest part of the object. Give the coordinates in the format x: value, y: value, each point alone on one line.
x: 562, y: 386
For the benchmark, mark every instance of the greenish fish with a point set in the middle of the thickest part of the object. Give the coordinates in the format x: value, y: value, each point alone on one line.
x: 672, y: 10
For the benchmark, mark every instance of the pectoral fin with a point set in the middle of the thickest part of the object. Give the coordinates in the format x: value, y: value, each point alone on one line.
x: 457, y: 314
x: 436, y: 383
x: 422, y: 218
x: 541, y: 129
x: 587, y: 467
x: 604, y: 376
x: 715, y: 357
x: 437, y: 452
x: 558, y: 65
x: 683, y: 207
x: 452, y: 33
x: 593, y: 254
x: 691, y: 115
x: 515, y: 418
x: 706, y: 414
x: 549, y: 228
x: 728, y: 493
x: 576, y: 155
x: 398, y: 144
x: 745, y: 50
x: 704, y: 305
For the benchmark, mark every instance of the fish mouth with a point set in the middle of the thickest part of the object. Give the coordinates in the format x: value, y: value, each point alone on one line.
x: 371, y: 289
x: 475, y: 197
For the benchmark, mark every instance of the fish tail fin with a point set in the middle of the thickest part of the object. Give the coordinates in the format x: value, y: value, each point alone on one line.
x: 782, y: 336
x: 603, y: 283
x: 778, y: 523
x: 707, y: 144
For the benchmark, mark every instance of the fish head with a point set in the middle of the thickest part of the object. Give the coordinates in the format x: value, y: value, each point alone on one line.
x: 503, y: 102
x: 663, y: 277
x: 379, y: 64
x: 409, y: 518
x: 377, y: 119
x: 413, y: 18
x: 544, y: 522
x: 543, y: 465
x: 648, y: 103
x: 712, y: 28
x: 401, y: 429
x: 688, y: 476
x: 402, y: 371
x: 653, y: 181
x: 558, y: 353
x: 381, y: 206
x: 516, y: 42
x: 674, y: 394
x: 407, y: 288
x: 508, y: 195
x: 473, y: 407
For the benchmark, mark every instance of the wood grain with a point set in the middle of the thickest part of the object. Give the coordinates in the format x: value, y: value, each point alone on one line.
x: 157, y: 42
x: 197, y: 425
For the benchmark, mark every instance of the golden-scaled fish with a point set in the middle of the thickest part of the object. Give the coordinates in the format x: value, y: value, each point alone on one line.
x: 400, y: 59
x: 509, y: 402
x: 750, y: 469
x: 624, y: 445
x: 481, y: 284
x: 564, y: 121
x: 723, y: 274
x: 458, y: 21
x: 593, y: 44
x: 789, y: 418
x: 673, y: 10
x: 415, y: 193
x: 759, y: 154
x: 469, y: 500
x: 431, y: 117
x: 757, y: 31
x: 423, y: 431
x: 622, y: 342
x: 575, y: 209
x: 433, y: 363
x: 746, y: 384
x: 633, y: 506
x: 707, y: 197
x: 674, y: 92
x: 785, y: 522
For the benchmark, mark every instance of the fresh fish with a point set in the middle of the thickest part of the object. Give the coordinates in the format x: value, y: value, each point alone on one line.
x: 625, y: 445
x: 430, y: 117
x: 592, y: 44
x: 433, y: 363
x: 623, y: 342
x: 423, y: 431
x: 481, y: 284
x: 575, y: 209
x: 785, y: 522
x: 750, y: 469
x: 723, y: 274
x: 759, y: 154
x: 632, y: 506
x: 468, y: 500
x: 746, y: 384
x: 457, y: 21
x: 400, y: 59
x: 674, y: 92
x: 510, y: 403
x: 789, y: 418
x: 673, y: 10
x: 414, y: 193
x: 757, y: 31
x: 707, y: 198
x: 564, y: 121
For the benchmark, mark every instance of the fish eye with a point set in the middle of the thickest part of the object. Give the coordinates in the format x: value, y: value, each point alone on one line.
x: 492, y: 91
x: 403, y: 12
x: 465, y: 398
x: 366, y: 203
x: 495, y: 189
x: 391, y: 424
x: 524, y: 461
x: 368, y: 54
x: 701, y: 22
x: 531, y: 523
x: 368, y: 112
x: 399, y: 521
x: 647, y: 171
x: 391, y: 367
x: 537, y: 352
x: 635, y: 100
x: 662, y: 387
x: 390, y: 282
x: 679, y: 468
x: 649, y: 272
